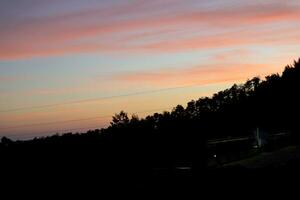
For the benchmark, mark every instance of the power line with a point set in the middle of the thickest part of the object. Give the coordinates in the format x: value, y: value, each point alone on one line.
x: 97, y: 99
x: 75, y: 120
x: 49, y: 133
x: 54, y: 122
x: 42, y: 134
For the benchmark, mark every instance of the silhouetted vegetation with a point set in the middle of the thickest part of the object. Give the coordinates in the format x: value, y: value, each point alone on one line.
x: 136, y: 147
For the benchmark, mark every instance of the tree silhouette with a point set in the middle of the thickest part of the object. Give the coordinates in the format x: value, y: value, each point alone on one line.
x: 120, y: 119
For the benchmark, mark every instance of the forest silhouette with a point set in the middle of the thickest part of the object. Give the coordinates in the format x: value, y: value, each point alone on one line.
x: 139, y: 147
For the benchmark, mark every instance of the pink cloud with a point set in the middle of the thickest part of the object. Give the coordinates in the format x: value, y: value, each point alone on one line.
x: 275, y: 36
x: 63, y: 34
x: 232, y: 54
x: 7, y: 79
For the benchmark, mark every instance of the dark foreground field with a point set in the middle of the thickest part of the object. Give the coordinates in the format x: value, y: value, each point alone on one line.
x: 278, y: 168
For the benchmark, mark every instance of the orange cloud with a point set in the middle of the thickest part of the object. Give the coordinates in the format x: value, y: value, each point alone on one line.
x: 198, y: 75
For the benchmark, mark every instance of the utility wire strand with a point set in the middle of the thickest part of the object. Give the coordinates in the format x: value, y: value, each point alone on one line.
x: 54, y: 122
x: 76, y: 120
x: 49, y: 133
x: 96, y: 99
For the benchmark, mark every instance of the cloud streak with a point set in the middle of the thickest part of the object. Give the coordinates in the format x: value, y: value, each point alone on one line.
x: 100, y: 30
x: 201, y: 75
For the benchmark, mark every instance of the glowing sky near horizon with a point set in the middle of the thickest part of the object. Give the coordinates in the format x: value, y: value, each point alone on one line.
x: 60, y: 51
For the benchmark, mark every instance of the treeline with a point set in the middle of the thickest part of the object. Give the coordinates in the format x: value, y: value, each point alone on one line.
x: 271, y: 104
x: 171, y: 138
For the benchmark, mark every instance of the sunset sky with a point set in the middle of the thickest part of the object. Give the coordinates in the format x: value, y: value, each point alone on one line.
x: 69, y: 65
